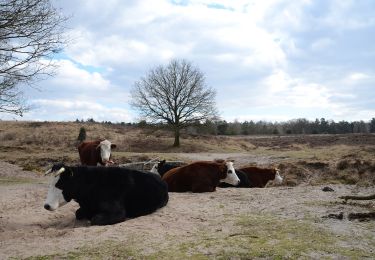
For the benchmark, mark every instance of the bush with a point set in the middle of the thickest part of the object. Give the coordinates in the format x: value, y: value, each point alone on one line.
x: 82, y: 134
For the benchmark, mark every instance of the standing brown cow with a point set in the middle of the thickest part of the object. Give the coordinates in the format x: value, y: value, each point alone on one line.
x: 202, y: 176
x: 94, y: 152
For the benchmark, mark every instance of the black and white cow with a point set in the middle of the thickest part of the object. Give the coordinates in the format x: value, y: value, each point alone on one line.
x: 106, y: 195
x: 244, y: 181
x: 162, y: 167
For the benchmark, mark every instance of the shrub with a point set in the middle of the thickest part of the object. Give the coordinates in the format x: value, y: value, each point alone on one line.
x: 342, y: 165
x: 82, y: 134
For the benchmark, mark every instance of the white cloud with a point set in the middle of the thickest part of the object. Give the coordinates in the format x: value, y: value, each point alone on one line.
x: 269, y: 117
x: 356, y: 76
x: 281, y: 90
x: 278, y: 82
x: 159, y: 30
x: 342, y: 17
x: 70, y: 76
x: 284, y: 90
x: 72, y: 109
x: 259, y: 55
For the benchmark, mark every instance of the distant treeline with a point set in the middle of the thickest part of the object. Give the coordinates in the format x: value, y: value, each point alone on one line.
x: 295, y: 126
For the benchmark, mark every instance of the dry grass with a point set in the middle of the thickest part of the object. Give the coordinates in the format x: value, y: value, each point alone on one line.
x: 310, y: 159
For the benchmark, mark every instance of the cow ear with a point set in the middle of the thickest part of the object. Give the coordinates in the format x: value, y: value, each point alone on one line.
x: 113, y: 146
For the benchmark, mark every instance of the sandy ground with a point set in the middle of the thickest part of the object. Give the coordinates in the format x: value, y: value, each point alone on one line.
x: 26, y: 229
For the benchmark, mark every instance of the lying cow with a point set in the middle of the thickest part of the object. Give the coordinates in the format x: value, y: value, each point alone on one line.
x: 94, y: 152
x: 244, y: 181
x: 259, y: 177
x: 202, y: 176
x: 106, y: 195
x: 162, y: 167
x: 255, y: 177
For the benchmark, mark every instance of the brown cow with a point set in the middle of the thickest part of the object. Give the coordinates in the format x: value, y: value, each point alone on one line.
x: 202, y: 176
x: 258, y: 177
x: 94, y: 152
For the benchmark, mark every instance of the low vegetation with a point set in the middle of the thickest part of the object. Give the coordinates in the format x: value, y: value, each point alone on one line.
x: 277, y: 223
x: 251, y: 236
x: 312, y: 159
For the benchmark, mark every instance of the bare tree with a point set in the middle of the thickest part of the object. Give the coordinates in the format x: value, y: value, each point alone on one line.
x: 30, y: 34
x: 176, y: 94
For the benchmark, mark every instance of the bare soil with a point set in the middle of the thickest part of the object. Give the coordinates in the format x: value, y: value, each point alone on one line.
x: 273, y: 222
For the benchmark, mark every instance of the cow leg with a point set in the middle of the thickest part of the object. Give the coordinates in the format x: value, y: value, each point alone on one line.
x: 108, y: 218
x: 109, y: 212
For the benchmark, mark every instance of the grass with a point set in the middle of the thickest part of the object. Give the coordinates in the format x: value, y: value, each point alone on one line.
x: 252, y: 236
x: 36, y: 145
x: 341, y: 203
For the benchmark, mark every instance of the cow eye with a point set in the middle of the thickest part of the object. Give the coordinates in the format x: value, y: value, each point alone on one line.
x: 230, y: 172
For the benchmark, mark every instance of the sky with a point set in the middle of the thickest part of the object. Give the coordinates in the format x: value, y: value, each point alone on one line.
x: 272, y: 60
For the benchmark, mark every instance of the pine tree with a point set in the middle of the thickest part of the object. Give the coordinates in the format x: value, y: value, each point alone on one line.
x: 82, y: 134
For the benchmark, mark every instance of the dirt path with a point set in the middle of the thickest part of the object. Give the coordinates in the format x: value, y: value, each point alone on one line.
x: 228, y: 222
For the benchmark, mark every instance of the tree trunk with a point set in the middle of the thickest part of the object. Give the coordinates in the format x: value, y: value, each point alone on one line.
x: 176, y: 137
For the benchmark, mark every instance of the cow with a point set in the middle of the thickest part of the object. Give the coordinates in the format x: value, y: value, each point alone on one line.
x: 162, y: 167
x: 201, y: 176
x: 258, y: 177
x: 106, y: 195
x: 94, y: 152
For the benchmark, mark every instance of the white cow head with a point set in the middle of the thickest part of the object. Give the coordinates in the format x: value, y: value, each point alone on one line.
x: 232, y: 177
x: 105, y: 151
x: 55, y: 198
x: 278, y: 179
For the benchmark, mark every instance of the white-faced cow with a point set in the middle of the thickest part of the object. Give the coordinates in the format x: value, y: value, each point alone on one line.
x: 202, y: 176
x: 94, y: 152
x: 255, y: 177
x: 106, y: 195
x: 244, y: 181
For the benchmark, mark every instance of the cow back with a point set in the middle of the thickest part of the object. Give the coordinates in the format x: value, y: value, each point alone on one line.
x: 165, y: 167
x: 89, y: 153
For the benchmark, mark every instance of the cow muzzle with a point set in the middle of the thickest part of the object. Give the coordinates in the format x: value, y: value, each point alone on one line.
x: 109, y: 162
x: 47, y: 207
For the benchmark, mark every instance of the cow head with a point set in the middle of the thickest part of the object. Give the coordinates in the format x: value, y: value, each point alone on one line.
x: 105, y: 147
x: 154, y: 168
x: 157, y: 166
x: 55, y: 197
x: 231, y: 176
x: 278, y: 179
